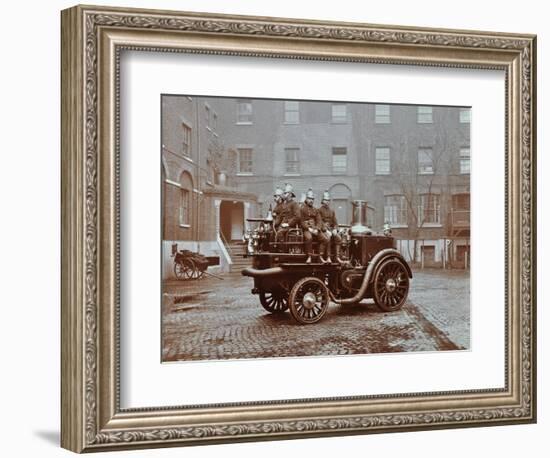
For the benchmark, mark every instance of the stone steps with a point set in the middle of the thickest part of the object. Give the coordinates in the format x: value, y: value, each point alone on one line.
x: 236, y: 251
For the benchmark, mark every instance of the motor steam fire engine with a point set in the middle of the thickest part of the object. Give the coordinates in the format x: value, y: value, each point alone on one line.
x: 371, y: 269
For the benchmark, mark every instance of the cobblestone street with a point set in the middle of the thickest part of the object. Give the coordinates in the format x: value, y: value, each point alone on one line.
x: 220, y: 319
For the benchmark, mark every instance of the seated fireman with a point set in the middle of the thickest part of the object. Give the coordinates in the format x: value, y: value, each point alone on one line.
x: 311, y: 223
x: 279, y: 202
x: 330, y: 226
x: 288, y: 214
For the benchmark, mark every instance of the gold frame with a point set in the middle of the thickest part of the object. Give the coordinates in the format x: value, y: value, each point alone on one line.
x: 92, y: 38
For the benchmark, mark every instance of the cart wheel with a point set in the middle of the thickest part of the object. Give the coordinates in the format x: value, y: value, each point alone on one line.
x: 184, y: 269
x: 274, y: 301
x: 391, y: 285
x: 308, y: 300
x: 196, y: 272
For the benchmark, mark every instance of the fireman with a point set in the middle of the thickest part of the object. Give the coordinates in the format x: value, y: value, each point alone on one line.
x: 279, y: 201
x: 330, y: 227
x: 311, y: 222
x: 289, y: 214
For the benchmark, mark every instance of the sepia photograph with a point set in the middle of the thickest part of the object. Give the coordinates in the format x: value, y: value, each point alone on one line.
x: 301, y: 228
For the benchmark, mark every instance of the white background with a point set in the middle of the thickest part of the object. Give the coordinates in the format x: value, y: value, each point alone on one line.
x: 29, y: 245
x: 146, y: 75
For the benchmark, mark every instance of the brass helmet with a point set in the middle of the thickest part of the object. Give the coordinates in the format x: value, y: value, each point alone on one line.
x: 326, y: 195
x: 309, y: 194
x: 278, y: 192
x: 289, y: 189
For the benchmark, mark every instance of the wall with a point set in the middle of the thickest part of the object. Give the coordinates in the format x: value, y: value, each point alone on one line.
x: 315, y: 134
x: 30, y: 220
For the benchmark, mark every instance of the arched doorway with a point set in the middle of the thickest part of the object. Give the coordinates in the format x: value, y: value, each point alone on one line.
x: 231, y: 220
x: 341, y: 196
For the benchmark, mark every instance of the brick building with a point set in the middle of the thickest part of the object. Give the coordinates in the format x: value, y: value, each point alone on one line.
x: 202, y: 211
x: 222, y: 158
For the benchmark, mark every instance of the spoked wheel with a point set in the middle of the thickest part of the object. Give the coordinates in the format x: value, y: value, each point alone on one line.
x: 391, y: 285
x: 197, y: 273
x: 184, y: 269
x: 308, y: 300
x: 274, y: 301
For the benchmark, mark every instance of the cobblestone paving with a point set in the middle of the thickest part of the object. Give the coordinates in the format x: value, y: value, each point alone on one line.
x: 444, y: 300
x: 220, y: 319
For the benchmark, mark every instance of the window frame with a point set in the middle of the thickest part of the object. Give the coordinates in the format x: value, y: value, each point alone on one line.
x: 250, y: 119
x: 377, y: 160
x: 286, y: 111
x: 240, y: 171
x: 463, y: 159
x: 382, y: 118
x: 339, y: 151
x: 296, y: 160
x: 185, y: 208
x: 461, y: 118
x: 339, y: 119
x: 421, y: 220
x: 186, y: 140
x: 422, y: 117
x: 430, y: 156
x: 400, y: 210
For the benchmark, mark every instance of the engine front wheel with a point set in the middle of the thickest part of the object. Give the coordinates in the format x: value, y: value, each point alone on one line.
x: 308, y: 300
x: 391, y: 285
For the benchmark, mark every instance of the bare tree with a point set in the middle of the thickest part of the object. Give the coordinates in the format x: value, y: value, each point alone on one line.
x: 416, y: 174
x: 222, y: 159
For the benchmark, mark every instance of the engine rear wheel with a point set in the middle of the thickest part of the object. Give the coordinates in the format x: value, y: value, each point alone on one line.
x: 308, y: 300
x: 391, y: 285
x: 274, y: 301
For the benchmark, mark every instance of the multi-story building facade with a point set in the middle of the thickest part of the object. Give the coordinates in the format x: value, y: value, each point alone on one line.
x: 201, y: 210
x: 411, y: 163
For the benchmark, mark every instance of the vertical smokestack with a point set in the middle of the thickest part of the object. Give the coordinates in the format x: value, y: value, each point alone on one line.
x: 359, y: 221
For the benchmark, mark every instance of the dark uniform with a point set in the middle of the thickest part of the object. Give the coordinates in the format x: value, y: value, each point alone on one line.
x: 289, y: 213
x: 329, y: 224
x: 328, y: 217
x: 310, y: 218
x: 276, y: 212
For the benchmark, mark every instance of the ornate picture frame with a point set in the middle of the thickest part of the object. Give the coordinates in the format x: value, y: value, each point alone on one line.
x: 92, y: 41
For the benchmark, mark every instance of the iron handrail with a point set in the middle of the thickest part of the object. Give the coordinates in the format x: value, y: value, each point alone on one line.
x: 227, y: 245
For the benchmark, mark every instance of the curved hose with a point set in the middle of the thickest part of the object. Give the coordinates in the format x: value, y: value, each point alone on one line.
x: 251, y: 272
x: 366, y: 279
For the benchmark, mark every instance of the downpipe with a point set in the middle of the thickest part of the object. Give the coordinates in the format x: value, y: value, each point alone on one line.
x: 258, y: 273
x: 366, y: 279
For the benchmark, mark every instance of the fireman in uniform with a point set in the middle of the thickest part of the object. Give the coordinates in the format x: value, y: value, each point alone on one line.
x: 289, y: 214
x: 330, y: 226
x: 279, y: 200
x: 311, y: 222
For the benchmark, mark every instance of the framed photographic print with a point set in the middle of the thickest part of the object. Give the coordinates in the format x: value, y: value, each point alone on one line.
x: 278, y: 228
